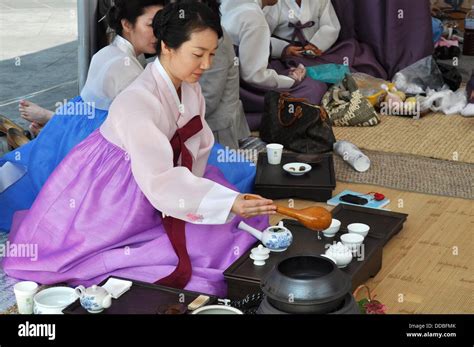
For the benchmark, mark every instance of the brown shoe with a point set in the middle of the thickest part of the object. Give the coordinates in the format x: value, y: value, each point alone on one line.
x: 16, y: 138
x: 6, y: 124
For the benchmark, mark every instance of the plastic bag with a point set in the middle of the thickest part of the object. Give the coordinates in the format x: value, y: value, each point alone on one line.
x: 374, y: 89
x: 445, y: 101
x: 420, y: 76
x: 328, y: 73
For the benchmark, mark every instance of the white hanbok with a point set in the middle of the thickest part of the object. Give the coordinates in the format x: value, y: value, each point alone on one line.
x: 112, y: 69
x: 323, y: 34
x: 220, y: 87
x: 245, y: 22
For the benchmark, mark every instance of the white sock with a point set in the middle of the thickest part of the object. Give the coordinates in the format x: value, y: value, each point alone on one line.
x: 468, y: 111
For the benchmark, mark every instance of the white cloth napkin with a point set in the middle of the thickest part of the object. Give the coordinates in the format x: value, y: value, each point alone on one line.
x: 9, y: 174
x: 117, y: 287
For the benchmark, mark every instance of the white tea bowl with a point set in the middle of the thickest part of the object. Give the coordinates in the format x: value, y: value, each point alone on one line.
x: 358, y: 228
x: 333, y: 228
x: 353, y: 241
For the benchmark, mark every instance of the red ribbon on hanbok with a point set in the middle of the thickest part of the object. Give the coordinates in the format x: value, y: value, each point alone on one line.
x: 175, y: 228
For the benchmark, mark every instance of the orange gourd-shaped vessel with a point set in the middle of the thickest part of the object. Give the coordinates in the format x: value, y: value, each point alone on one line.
x: 314, y: 218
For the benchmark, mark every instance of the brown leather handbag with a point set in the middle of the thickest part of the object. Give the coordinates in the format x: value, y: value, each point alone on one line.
x: 296, y: 124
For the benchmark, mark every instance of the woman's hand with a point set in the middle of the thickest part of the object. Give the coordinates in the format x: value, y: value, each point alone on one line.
x: 310, y: 47
x: 252, y: 208
x: 293, y: 51
x: 298, y: 73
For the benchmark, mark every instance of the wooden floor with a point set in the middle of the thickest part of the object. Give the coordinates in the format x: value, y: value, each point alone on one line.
x: 428, y: 267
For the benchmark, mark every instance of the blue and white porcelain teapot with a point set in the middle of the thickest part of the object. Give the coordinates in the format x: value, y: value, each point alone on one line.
x: 276, y: 238
x: 94, y: 299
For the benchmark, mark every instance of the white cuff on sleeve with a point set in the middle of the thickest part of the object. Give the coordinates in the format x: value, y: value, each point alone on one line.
x: 285, y: 82
x: 216, y: 206
x: 277, y: 47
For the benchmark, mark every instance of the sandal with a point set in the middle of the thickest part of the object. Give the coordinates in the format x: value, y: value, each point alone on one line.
x: 16, y: 138
x: 6, y: 124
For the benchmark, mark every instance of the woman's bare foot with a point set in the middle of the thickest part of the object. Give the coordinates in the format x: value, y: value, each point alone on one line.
x: 34, y: 113
x: 35, y: 128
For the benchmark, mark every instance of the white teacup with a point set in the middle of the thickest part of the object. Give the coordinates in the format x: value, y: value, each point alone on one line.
x: 24, y: 293
x: 333, y: 228
x: 353, y: 241
x: 274, y: 153
x: 358, y: 228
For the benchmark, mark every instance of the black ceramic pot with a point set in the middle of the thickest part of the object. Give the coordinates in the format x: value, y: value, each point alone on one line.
x: 348, y: 306
x: 306, y: 284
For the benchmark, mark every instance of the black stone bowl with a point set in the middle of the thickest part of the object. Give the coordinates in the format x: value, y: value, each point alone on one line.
x: 348, y: 306
x: 306, y: 284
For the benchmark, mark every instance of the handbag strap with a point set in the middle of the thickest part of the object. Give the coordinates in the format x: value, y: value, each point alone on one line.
x: 285, y: 97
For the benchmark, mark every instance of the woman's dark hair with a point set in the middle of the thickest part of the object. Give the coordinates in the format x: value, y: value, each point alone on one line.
x: 129, y: 10
x: 178, y: 20
x: 214, y: 5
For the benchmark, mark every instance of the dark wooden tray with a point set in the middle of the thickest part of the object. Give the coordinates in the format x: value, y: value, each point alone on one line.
x: 244, y: 278
x: 142, y: 298
x: 383, y: 224
x: 273, y: 182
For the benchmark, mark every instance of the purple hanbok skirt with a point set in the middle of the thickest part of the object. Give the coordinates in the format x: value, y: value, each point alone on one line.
x: 91, y: 221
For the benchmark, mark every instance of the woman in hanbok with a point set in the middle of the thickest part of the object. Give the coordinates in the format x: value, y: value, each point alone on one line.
x: 246, y: 24
x: 300, y: 27
x: 112, y: 69
x: 135, y: 198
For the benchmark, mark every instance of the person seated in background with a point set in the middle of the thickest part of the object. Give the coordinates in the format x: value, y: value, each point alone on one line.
x: 245, y: 22
x: 306, y: 32
x: 220, y: 87
x: 108, y: 30
x: 299, y: 26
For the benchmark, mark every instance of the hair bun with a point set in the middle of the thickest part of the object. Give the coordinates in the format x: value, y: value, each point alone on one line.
x: 113, y: 17
x: 158, y: 25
